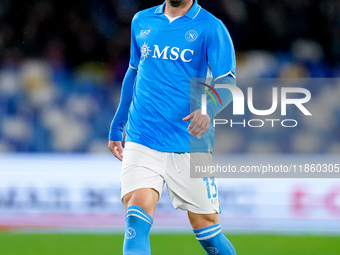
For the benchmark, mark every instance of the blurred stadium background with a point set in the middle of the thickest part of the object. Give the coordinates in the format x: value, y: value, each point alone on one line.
x: 61, y: 68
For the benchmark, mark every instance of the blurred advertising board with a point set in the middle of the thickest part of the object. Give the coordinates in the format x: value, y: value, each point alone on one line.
x: 82, y: 192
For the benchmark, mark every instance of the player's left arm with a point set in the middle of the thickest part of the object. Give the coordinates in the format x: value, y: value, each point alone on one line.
x: 222, y: 62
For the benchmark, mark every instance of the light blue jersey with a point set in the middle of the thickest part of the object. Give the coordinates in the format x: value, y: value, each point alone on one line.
x: 167, y: 55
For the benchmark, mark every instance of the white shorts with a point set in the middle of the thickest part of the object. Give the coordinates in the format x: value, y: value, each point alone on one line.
x: 147, y: 168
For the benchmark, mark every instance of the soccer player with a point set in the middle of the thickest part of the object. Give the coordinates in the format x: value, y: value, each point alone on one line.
x: 170, y: 44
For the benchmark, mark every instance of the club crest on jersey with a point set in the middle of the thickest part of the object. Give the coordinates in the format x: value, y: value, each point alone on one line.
x: 144, y: 32
x: 191, y: 35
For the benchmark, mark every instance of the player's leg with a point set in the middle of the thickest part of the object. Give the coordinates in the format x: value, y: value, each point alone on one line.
x: 141, y: 187
x: 198, y: 221
x: 208, y: 232
x: 140, y: 206
x: 199, y: 196
x: 145, y: 198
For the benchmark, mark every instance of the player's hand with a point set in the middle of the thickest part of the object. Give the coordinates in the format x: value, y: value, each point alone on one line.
x: 199, y: 123
x: 117, y: 149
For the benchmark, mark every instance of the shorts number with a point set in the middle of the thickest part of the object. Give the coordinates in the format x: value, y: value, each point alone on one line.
x: 210, y: 182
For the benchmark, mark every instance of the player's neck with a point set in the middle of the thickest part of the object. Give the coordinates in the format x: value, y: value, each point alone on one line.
x: 175, y: 11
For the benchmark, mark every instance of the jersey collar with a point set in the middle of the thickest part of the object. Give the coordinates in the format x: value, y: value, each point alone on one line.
x: 192, y: 13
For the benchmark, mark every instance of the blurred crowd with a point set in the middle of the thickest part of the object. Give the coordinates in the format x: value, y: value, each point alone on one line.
x: 62, y: 63
x: 71, y: 32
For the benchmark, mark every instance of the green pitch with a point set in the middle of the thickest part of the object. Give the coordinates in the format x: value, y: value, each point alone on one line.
x: 163, y: 244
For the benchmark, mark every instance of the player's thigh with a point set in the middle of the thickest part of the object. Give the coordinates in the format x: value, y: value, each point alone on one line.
x: 141, y: 180
x: 197, y: 195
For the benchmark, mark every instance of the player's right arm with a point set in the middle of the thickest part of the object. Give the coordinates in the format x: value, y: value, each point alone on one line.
x: 121, y: 116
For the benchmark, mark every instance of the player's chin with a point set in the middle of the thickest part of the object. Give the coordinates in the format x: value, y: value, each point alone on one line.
x: 176, y: 3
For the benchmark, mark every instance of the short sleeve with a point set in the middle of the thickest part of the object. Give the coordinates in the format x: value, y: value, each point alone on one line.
x: 220, y: 52
x: 134, y: 50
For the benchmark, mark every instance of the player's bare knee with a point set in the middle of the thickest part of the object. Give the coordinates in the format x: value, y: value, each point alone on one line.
x: 202, y: 220
x: 203, y: 223
x: 144, y: 198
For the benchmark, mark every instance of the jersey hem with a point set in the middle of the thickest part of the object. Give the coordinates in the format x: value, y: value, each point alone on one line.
x: 168, y: 149
x: 230, y: 73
